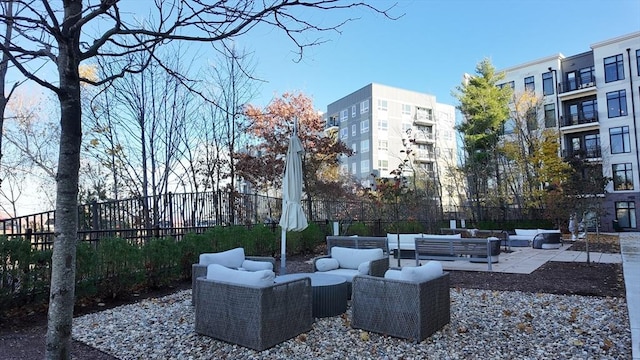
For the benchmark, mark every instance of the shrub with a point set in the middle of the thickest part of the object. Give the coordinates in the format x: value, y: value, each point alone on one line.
x: 360, y: 229
x: 121, y: 267
x: 161, y: 258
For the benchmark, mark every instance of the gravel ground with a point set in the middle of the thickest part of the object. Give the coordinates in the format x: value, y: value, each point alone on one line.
x: 514, y: 315
x: 484, y: 324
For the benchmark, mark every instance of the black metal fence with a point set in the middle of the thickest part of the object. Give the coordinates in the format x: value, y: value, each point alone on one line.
x: 137, y: 219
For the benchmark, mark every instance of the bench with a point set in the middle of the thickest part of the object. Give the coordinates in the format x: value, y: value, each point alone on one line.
x: 407, y: 244
x: 358, y: 242
x: 470, y: 249
x: 479, y: 233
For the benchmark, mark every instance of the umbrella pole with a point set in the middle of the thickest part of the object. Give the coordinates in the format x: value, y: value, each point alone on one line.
x: 283, y: 252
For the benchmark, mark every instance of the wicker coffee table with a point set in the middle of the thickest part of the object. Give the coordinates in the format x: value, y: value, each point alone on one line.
x: 329, y: 292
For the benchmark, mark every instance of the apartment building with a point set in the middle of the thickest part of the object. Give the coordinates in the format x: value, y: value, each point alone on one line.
x: 593, y: 100
x: 380, y: 123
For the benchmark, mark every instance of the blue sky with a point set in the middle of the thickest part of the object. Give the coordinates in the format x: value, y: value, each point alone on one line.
x: 434, y: 43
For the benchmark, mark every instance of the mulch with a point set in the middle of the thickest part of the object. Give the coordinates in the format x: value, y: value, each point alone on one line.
x: 23, y: 332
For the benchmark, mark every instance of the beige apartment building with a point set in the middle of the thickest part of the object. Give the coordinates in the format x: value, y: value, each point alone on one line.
x: 380, y: 123
x: 592, y: 98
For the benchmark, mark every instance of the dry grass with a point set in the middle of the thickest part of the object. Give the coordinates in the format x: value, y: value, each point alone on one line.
x: 604, y: 243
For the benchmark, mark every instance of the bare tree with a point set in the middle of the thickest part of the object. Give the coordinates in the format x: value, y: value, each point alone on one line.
x: 67, y: 33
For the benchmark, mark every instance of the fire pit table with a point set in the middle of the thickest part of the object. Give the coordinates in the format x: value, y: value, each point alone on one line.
x: 329, y: 292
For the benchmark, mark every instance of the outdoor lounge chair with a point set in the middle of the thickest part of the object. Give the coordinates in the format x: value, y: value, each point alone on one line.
x: 401, y: 308
x: 253, y: 316
x: 233, y: 259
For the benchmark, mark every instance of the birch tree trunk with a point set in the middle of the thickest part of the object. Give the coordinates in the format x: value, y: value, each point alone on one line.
x: 62, y: 292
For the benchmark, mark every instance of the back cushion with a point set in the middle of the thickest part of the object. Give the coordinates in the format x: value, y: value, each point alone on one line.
x: 352, y: 258
x: 454, y: 236
x: 231, y: 258
x: 426, y: 272
x: 527, y: 232
x: 221, y: 273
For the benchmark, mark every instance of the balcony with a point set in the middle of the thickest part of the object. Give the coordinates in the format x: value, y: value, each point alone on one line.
x: 572, y: 120
x: 593, y: 152
x: 425, y: 155
x: 577, y: 84
x: 421, y: 137
x: 424, y: 117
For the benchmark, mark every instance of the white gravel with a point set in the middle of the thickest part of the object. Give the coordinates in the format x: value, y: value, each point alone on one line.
x: 484, y: 325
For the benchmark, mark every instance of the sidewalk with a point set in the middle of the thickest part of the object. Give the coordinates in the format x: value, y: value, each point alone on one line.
x: 630, y: 249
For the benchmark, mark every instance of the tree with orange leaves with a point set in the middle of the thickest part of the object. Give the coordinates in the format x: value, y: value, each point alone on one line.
x: 272, y: 127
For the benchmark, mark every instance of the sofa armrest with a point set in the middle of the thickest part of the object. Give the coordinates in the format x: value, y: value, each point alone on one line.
x: 197, y: 270
x: 379, y: 267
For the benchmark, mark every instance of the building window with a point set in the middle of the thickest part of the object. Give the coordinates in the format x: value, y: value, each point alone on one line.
x: 550, y: 115
x: 529, y: 84
x: 626, y: 214
x: 587, y: 77
x: 547, y: 83
x: 383, y: 165
x: 617, y: 103
x: 383, y: 124
x: 406, y: 109
x: 619, y: 139
x: 354, y: 130
x: 353, y: 111
x: 344, y: 115
x: 622, y: 177
x: 592, y: 145
x: 510, y: 84
x: 613, y: 68
x: 364, y: 166
x: 354, y: 148
x: 638, y: 61
x: 572, y: 81
x: 383, y: 105
x: 406, y: 127
x: 364, y: 146
x: 364, y: 126
x: 364, y: 107
x: 344, y: 133
x: 354, y: 168
x: 383, y: 145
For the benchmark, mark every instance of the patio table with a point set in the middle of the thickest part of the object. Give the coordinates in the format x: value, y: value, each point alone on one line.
x: 329, y: 292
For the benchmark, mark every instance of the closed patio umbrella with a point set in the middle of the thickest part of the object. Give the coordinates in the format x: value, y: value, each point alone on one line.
x: 293, y: 218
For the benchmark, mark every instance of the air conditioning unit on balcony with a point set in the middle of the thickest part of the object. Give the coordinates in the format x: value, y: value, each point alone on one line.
x: 589, y: 84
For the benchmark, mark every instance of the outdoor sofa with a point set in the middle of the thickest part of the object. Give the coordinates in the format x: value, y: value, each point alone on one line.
x: 349, y: 262
x: 411, y: 303
x: 233, y: 259
x: 249, y: 309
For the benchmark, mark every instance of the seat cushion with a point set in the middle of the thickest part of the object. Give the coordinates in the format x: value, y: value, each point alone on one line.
x: 221, y: 273
x: 231, y: 258
x: 347, y: 274
x: 352, y: 258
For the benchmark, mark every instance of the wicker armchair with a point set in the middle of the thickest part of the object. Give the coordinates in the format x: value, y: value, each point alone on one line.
x: 199, y: 270
x: 250, y: 316
x: 399, y: 308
